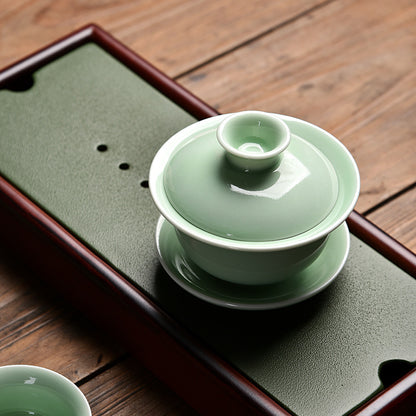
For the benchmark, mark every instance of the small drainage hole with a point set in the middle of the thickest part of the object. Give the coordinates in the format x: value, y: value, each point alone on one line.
x: 144, y: 184
x: 123, y: 166
x: 21, y: 84
x: 391, y: 371
x: 102, y: 147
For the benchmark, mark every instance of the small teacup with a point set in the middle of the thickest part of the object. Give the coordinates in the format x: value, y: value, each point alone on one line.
x: 29, y: 390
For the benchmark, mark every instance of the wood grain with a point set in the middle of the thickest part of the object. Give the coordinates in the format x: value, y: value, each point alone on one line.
x: 128, y: 389
x: 35, y: 328
x: 175, y: 35
x: 354, y: 78
x: 398, y: 219
x: 348, y: 66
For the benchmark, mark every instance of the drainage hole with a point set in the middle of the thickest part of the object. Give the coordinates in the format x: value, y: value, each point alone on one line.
x: 144, y: 184
x: 392, y: 370
x: 102, y: 147
x: 124, y: 166
x: 21, y: 83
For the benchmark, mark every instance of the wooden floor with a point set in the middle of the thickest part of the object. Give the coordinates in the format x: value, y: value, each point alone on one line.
x: 348, y: 66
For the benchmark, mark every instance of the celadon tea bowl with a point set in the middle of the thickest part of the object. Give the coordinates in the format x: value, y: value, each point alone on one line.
x: 31, y: 390
x: 253, y: 196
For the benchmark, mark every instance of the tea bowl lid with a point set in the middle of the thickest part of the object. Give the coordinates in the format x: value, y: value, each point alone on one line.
x: 254, y: 181
x: 251, y: 179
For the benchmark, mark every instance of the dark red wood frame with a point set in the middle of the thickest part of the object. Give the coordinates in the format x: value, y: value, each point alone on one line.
x: 120, y: 308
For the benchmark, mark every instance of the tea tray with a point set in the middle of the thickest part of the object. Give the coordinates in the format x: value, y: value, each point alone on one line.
x: 80, y: 122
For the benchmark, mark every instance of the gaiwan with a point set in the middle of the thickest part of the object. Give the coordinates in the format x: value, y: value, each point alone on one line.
x: 254, y: 197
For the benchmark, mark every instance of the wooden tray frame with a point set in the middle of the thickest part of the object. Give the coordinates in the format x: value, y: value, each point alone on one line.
x: 206, y: 382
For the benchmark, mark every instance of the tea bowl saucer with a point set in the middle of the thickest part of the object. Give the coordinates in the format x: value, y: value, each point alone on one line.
x: 295, y: 289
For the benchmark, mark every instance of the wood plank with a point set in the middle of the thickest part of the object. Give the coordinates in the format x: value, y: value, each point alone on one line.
x: 175, y: 35
x: 147, y: 27
x: 398, y: 219
x: 354, y: 76
x: 36, y: 329
x: 128, y: 389
x: 382, y: 139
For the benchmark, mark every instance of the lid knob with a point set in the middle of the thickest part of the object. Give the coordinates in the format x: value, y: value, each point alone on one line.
x: 253, y: 140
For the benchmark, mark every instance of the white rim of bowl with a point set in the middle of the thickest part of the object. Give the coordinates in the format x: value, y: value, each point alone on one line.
x: 180, y: 223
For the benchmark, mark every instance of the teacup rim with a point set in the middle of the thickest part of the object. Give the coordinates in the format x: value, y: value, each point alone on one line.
x: 57, y: 375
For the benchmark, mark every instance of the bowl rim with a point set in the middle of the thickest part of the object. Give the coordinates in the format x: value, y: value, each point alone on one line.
x: 166, y: 209
x: 66, y: 381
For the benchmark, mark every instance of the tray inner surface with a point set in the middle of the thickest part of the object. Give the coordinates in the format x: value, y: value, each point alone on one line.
x: 320, y: 357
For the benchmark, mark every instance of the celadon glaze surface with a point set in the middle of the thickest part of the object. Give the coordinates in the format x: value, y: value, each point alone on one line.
x: 30, y: 390
x: 250, y: 267
x: 268, y: 204
x: 317, y: 358
x: 347, y: 177
x: 253, y: 140
x: 223, y: 256
x: 299, y: 285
